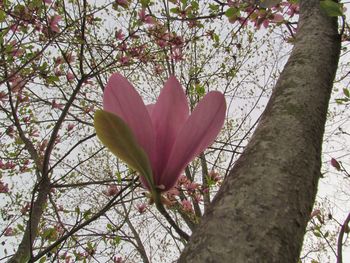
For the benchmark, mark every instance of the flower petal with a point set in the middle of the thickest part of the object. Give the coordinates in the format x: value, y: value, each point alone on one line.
x: 199, y: 131
x: 115, y: 134
x: 168, y: 116
x: 121, y: 99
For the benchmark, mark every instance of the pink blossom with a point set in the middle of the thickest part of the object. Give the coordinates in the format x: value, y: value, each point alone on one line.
x: 169, y: 136
x: 123, y: 47
x: 292, y: 9
x: 17, y: 83
x: 70, y: 76
x: 197, y: 198
x: 53, y: 22
x: 191, y: 187
x: 141, y: 207
x: 158, y: 69
x: 14, y: 27
x: 183, y: 180
x: 56, y: 105
x: 148, y: 19
x: 59, y: 60
x: 161, y: 43
x: 214, y: 176
x: 119, y: 35
x: 111, y: 190
x: 173, y: 192
x: 276, y: 18
x: 70, y: 127
x: 58, y: 72
x: 47, y: 1
x: 117, y: 260
x: 177, y: 55
x: 177, y: 41
x: 187, y: 205
x: 9, y: 165
x: 9, y: 232
x: 69, y: 57
x: 25, y: 208
x: 17, y: 52
x: 124, y: 60
x: 4, y: 188
x: 3, y: 96
x: 335, y: 164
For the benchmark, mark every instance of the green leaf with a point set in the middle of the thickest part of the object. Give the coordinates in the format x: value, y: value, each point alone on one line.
x: 2, y: 16
x: 231, y: 12
x: 115, y: 134
x: 332, y: 8
x: 119, y: 177
x: 42, y: 260
x: 175, y: 10
x: 317, y: 234
x: 20, y: 227
x: 346, y: 92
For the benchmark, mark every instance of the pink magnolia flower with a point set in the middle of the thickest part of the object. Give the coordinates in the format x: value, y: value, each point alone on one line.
x: 111, y: 190
x: 9, y: 232
x: 70, y: 76
x: 141, y: 207
x: 4, y: 188
x: 54, y: 23
x: 148, y: 19
x: 276, y: 18
x: 119, y: 35
x: 335, y: 164
x: 163, y: 137
x: 70, y: 127
x: 187, y: 205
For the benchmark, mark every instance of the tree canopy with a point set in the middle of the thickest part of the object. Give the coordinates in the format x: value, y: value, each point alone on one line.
x: 250, y: 195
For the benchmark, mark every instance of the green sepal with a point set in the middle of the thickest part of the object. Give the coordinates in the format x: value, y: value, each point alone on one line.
x: 115, y: 134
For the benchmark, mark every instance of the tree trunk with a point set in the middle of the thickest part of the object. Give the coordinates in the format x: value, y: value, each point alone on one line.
x: 262, y: 209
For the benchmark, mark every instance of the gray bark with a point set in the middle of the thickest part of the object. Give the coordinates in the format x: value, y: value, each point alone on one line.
x: 262, y: 209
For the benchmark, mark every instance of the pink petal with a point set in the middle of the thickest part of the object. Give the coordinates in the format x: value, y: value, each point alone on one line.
x: 150, y: 108
x: 199, y: 131
x: 168, y: 116
x: 121, y: 99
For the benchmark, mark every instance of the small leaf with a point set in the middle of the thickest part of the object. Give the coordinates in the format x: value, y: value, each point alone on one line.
x: 115, y: 134
x: 231, y: 12
x: 2, y: 16
x: 332, y: 8
x: 346, y: 92
x: 119, y: 177
x: 316, y: 233
x: 175, y: 10
x: 42, y: 260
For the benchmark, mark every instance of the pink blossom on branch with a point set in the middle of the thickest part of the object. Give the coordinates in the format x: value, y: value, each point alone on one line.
x: 335, y: 164
x: 161, y: 139
x: 4, y: 188
x: 54, y: 23
x: 148, y: 19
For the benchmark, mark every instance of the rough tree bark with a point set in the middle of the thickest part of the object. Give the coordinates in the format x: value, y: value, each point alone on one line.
x: 262, y: 209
